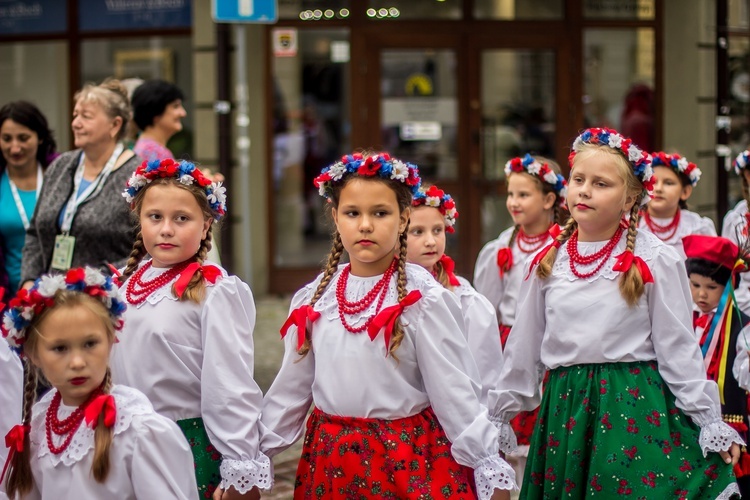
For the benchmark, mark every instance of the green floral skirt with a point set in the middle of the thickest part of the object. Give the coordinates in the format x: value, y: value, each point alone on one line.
x: 207, y: 459
x: 613, y: 431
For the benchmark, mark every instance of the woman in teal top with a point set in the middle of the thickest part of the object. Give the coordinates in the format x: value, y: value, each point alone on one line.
x: 27, y: 148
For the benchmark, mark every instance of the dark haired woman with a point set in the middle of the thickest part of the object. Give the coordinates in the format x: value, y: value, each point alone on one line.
x: 158, y: 114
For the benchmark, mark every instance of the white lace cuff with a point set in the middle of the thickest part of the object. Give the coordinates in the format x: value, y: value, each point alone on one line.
x: 245, y: 474
x: 718, y: 436
x: 506, y: 436
x: 493, y: 473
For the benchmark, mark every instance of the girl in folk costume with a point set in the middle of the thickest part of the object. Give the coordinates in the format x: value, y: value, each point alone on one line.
x: 536, y: 201
x: 189, y: 346
x: 11, y: 378
x: 736, y: 226
x: 433, y: 214
x: 666, y: 214
x: 627, y: 409
x: 86, y: 439
x: 378, y: 346
x: 711, y: 265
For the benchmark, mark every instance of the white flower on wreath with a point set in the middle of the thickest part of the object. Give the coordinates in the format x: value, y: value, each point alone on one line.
x: 634, y: 154
x: 550, y: 177
x: 50, y: 284
x: 432, y: 201
x: 534, y: 168
x: 9, y: 327
x: 138, y: 181
x: 695, y: 175
x: 563, y: 194
x: 94, y: 277
x: 337, y: 171
x: 450, y: 214
x: 399, y: 171
x: 741, y: 160
x: 682, y: 164
x: 218, y: 194
x: 615, y: 141
x: 186, y: 180
x: 322, y: 188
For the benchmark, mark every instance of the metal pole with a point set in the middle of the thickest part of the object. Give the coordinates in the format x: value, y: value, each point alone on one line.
x: 223, y: 109
x: 243, y: 150
x: 723, y: 120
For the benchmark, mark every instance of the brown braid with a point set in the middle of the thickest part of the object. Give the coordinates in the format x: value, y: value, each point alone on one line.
x: 19, y: 480
x: 631, y: 283
x: 136, y: 256
x: 561, y: 215
x: 337, y: 249
x: 545, y: 265
x: 196, y: 288
x: 102, y: 440
x: 398, y: 330
x: 513, y: 235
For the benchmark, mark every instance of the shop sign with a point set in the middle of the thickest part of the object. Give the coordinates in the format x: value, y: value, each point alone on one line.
x: 107, y: 15
x: 285, y: 42
x: 22, y: 17
x: 397, y: 110
x: 420, y: 131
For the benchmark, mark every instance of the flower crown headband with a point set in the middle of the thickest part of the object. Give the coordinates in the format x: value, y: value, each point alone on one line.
x: 679, y: 164
x: 741, y: 162
x: 542, y: 171
x: 27, y: 304
x: 437, y: 198
x: 186, y: 173
x: 380, y: 165
x: 639, y: 160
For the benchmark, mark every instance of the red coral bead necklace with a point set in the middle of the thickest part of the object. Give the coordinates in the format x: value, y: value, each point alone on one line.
x: 138, y: 290
x: 379, y: 291
x: 533, y: 243
x: 664, y: 233
x: 601, y: 255
x: 68, y: 426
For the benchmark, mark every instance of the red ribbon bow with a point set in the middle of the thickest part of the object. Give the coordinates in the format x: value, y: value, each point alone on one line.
x: 210, y: 274
x: 104, y: 403
x: 626, y: 259
x: 388, y: 316
x: 504, y: 260
x: 15, y: 441
x: 701, y: 321
x: 299, y: 318
x: 449, y: 266
x: 554, y: 231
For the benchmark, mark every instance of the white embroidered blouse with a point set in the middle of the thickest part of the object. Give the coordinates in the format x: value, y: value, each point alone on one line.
x: 735, y: 228
x: 149, y: 456
x: 501, y: 292
x: 482, y: 334
x: 690, y: 223
x: 11, y: 397
x: 349, y: 375
x: 566, y: 321
x: 196, y: 360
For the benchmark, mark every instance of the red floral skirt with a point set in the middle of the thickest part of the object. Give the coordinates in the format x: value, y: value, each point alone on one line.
x: 362, y: 458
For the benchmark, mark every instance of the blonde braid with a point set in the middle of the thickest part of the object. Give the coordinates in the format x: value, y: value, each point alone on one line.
x: 136, y: 256
x: 561, y: 215
x: 196, y: 287
x: 513, y: 235
x: 441, y: 276
x: 631, y: 282
x: 544, y: 269
x: 334, y: 256
x: 398, y: 330
x: 102, y: 440
x: 20, y: 480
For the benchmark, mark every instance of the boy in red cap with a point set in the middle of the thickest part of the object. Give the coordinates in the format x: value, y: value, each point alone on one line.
x: 719, y: 326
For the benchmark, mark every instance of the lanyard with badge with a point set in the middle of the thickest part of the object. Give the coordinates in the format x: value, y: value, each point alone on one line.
x: 17, y: 197
x: 62, y: 256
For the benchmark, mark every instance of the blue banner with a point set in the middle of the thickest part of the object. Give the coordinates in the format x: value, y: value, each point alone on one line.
x: 108, y: 15
x: 21, y: 17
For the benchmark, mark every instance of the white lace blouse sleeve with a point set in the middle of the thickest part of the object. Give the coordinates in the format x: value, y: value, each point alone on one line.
x: 287, y: 402
x: 230, y: 399
x: 741, y: 368
x: 486, y: 274
x: 11, y: 396
x: 678, y: 355
x: 705, y: 226
x: 162, y: 463
x: 451, y: 381
x: 480, y: 325
x: 518, y: 386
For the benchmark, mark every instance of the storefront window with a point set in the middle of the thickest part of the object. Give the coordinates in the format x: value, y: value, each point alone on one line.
x: 619, y: 9
x: 739, y: 14
x: 38, y: 72
x: 518, y: 9
x: 619, y: 82
x: 311, y: 130
x: 414, y: 9
x: 166, y: 58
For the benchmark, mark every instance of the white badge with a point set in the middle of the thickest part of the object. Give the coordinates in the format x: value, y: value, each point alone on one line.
x: 62, y: 256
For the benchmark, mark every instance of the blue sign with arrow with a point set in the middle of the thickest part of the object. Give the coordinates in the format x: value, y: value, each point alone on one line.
x: 244, y: 11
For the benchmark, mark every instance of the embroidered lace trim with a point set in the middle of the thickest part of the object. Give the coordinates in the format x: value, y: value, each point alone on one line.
x: 506, y: 436
x: 493, y: 473
x: 164, y: 292
x: 416, y: 278
x: 717, y: 436
x: 729, y: 492
x: 645, y: 247
x: 243, y: 475
x: 128, y: 402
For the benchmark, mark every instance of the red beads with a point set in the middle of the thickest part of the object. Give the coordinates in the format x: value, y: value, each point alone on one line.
x: 379, y: 291
x: 139, y: 290
x: 601, y: 256
x: 533, y: 243
x: 68, y: 425
x: 660, y: 231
